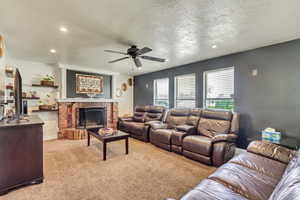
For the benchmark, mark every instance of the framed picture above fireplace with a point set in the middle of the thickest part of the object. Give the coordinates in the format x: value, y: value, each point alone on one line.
x: 89, y: 84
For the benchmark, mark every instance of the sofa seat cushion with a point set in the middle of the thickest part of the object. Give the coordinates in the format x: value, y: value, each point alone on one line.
x: 162, y: 135
x: 249, y: 183
x: 177, y: 137
x: 198, y: 144
x: 211, y: 190
x: 136, y: 128
x: 261, y: 164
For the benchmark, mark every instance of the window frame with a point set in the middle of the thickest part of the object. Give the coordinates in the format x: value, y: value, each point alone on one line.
x: 175, y: 90
x: 154, y: 92
x: 205, y: 88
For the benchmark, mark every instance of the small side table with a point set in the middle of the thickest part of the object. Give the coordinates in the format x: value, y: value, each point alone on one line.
x: 288, y: 142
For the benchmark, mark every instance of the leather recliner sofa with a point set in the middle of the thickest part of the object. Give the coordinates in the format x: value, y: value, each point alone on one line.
x: 203, y: 135
x: 138, y: 125
x: 265, y: 171
x: 214, y: 141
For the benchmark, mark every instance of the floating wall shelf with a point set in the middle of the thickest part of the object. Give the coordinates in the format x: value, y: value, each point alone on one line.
x: 9, y: 87
x: 44, y: 110
x: 28, y: 98
x: 46, y: 86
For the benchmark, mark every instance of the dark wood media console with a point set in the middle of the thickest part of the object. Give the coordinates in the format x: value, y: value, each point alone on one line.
x: 21, y: 153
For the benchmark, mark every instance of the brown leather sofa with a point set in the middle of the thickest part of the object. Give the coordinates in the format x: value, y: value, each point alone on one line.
x: 214, y: 141
x: 265, y: 171
x: 160, y: 133
x: 138, y: 125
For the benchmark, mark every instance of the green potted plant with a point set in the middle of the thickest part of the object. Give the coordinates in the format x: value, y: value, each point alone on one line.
x: 48, y: 80
x: 45, y: 105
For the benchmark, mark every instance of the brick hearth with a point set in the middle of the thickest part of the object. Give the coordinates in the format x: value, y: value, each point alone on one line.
x: 67, y: 118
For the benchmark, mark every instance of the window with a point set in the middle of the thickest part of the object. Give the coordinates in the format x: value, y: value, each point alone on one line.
x: 185, y: 91
x: 161, y: 92
x: 219, y: 89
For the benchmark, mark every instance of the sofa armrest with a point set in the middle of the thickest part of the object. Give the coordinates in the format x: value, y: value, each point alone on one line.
x: 224, y: 138
x: 271, y: 150
x: 126, y: 119
x: 186, y: 128
x: 159, y: 125
x: 152, y: 122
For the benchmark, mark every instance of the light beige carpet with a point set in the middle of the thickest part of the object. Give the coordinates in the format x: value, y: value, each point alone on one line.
x: 74, y: 171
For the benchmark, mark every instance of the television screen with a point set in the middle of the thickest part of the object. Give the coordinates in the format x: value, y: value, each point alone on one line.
x: 18, y: 94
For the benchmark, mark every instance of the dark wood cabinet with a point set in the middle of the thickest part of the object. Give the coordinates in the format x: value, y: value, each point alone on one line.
x: 21, y: 153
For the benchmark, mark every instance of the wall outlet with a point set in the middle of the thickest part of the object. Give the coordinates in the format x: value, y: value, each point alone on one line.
x: 147, y: 85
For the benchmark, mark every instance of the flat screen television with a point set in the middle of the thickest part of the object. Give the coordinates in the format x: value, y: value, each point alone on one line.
x: 18, y: 94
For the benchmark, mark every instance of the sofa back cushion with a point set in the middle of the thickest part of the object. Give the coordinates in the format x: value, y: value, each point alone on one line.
x: 193, y: 118
x: 140, y: 113
x: 154, y: 113
x: 214, y: 122
x: 272, y: 151
x: 139, y: 117
x: 177, y: 117
x: 289, y: 186
x: 295, y: 162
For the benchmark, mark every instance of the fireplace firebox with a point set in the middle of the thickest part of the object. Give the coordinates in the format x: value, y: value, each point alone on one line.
x: 91, y: 117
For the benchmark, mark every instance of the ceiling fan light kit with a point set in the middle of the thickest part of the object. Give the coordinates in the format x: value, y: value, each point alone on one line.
x: 136, y: 53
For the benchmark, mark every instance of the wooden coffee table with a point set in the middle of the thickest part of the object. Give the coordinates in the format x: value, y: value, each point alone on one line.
x: 118, y: 135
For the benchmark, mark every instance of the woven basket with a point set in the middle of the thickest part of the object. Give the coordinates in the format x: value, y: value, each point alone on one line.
x: 47, y: 83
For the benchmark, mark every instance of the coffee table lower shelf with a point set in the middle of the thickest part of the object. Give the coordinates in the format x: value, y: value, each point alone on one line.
x: 106, y: 139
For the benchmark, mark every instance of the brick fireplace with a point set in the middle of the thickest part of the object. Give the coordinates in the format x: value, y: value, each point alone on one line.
x: 69, y: 124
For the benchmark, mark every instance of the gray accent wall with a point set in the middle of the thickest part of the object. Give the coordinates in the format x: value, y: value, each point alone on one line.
x: 71, y: 85
x: 270, y: 99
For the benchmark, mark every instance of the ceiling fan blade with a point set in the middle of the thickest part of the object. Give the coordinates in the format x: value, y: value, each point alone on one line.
x: 137, y: 62
x: 113, y: 61
x: 153, y: 58
x: 143, y: 51
x: 111, y: 51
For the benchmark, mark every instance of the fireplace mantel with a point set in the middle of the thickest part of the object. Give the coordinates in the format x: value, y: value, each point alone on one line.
x: 88, y: 100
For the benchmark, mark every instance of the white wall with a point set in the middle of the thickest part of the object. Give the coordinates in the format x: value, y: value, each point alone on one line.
x: 31, y: 73
x: 126, y: 101
x: 2, y: 68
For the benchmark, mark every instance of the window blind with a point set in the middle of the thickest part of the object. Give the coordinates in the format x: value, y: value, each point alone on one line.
x: 161, y: 92
x: 185, y: 91
x: 219, y: 88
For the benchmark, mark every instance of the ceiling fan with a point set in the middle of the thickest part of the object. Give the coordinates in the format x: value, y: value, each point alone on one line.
x: 136, y: 53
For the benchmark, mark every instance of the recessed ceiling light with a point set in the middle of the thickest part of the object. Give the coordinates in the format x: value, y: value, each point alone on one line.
x: 63, y: 29
x: 52, y: 51
x: 139, y: 68
x: 214, y: 46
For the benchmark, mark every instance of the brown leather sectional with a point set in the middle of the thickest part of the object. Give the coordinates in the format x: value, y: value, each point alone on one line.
x: 138, y: 125
x: 203, y: 135
x: 265, y: 171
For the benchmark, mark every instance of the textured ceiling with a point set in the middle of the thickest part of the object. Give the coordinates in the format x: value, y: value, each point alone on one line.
x: 183, y: 31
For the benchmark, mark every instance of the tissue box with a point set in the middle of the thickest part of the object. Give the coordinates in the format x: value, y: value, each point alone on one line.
x: 271, y: 136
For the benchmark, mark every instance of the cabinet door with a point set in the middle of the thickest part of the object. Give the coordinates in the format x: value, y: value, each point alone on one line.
x: 21, y: 155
